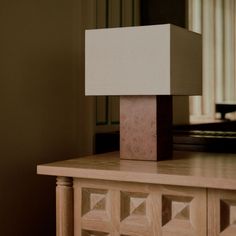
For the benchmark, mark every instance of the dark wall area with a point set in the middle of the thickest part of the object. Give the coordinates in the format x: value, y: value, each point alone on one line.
x: 163, y: 11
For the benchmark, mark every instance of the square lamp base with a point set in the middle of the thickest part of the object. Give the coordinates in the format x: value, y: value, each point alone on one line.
x: 146, y: 127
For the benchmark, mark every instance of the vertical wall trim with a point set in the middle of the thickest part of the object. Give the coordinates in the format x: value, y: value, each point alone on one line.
x: 136, y: 12
x: 133, y: 15
x: 96, y: 14
x: 107, y: 13
x: 121, y: 12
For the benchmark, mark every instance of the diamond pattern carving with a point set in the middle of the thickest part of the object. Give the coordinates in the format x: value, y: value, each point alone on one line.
x: 93, y: 233
x: 97, y: 201
x: 133, y: 204
x: 227, y: 214
x: 113, y: 209
x: 137, y: 206
x: 94, y: 201
x: 175, y: 207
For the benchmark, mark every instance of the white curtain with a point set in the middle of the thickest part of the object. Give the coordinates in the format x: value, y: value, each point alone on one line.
x: 215, y: 19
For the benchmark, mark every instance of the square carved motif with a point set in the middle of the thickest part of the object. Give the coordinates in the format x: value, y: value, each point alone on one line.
x: 175, y: 207
x: 227, y: 215
x: 222, y: 212
x: 95, y: 203
x: 93, y: 233
x: 133, y: 207
x: 141, y: 210
x: 177, y: 213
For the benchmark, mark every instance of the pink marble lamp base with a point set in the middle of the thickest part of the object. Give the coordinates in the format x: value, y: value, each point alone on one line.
x: 146, y: 127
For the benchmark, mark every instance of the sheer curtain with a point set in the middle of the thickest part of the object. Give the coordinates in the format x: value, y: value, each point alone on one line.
x: 216, y: 20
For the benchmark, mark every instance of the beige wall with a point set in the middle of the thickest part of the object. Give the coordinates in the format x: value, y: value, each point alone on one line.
x: 41, y: 107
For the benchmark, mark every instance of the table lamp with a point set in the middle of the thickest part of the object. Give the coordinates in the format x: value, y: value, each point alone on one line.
x: 145, y: 66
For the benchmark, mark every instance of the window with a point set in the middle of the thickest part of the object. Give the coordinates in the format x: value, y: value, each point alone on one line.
x: 216, y: 20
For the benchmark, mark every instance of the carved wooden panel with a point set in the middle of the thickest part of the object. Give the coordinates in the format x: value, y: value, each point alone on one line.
x: 93, y: 233
x: 183, y: 211
x: 135, y: 213
x: 96, y: 210
x: 95, y: 204
x: 129, y: 209
x: 176, y: 208
x: 133, y: 205
x: 222, y: 213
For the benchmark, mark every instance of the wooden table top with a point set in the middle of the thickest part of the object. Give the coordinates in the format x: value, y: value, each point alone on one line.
x: 195, y: 169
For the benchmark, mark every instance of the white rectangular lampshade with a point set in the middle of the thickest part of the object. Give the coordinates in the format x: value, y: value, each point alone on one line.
x: 145, y: 60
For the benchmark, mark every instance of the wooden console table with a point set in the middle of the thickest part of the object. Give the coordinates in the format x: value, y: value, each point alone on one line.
x: 192, y: 195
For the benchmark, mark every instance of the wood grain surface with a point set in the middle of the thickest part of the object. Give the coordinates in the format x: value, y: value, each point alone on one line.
x: 195, y: 169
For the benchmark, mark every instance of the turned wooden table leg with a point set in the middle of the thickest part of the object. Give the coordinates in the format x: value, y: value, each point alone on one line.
x: 64, y: 206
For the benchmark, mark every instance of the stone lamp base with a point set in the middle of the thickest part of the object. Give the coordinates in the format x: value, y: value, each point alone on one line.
x: 146, y: 127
